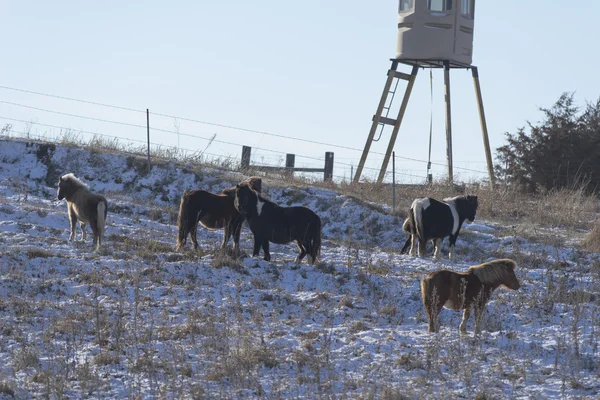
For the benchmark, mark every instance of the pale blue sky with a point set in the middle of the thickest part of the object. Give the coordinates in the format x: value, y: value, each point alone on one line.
x: 310, y: 69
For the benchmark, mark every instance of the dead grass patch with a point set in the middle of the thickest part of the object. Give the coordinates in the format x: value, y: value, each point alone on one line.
x: 225, y: 258
x: 39, y: 253
x: 592, y: 241
x: 26, y: 358
x: 131, y: 247
x: 107, y: 358
x: 346, y: 302
x: 240, y: 362
x: 358, y: 326
x: 382, y: 270
x: 6, y: 388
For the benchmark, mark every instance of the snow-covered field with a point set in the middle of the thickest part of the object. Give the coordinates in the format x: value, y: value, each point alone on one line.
x: 138, y: 320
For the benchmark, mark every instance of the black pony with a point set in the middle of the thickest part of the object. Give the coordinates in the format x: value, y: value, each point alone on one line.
x: 429, y: 219
x: 272, y: 223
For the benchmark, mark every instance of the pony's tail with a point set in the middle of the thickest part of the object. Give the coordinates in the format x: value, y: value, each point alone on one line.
x: 425, y: 293
x: 183, y: 220
x: 316, y: 241
x: 408, y: 227
x: 416, y: 216
x: 101, y: 220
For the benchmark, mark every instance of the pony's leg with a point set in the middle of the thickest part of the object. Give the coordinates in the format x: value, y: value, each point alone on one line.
x: 302, y: 253
x: 478, y: 319
x: 193, y: 232
x: 433, y: 313
x: 463, y: 324
x: 431, y: 302
x: 452, y: 243
x: 237, y: 229
x: 407, y: 244
x: 95, y: 234
x: 413, y: 244
x: 258, y: 240
x: 422, y: 251
x: 83, y: 230
x: 265, y: 246
x: 73, y: 221
x: 309, y: 256
x: 226, y: 234
x: 437, y: 244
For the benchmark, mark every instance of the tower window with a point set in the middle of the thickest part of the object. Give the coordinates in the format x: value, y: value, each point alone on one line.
x: 466, y: 8
x: 439, y: 5
x: 406, y: 5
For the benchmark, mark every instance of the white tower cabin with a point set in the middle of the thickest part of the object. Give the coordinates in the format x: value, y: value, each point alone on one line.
x: 431, y: 34
x: 436, y: 30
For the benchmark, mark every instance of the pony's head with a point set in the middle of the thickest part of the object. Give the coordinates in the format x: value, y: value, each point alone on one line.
x: 246, y: 199
x: 67, y: 184
x: 497, y: 272
x: 254, y: 182
x: 471, y: 207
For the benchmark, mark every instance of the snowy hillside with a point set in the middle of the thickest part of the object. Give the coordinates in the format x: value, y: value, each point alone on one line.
x: 139, y: 320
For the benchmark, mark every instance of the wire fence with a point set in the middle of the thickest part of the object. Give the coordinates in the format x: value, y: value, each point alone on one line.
x: 267, y: 156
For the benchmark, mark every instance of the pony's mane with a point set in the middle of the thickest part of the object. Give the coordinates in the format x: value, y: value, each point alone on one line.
x: 494, y: 272
x: 256, y: 193
x: 462, y: 197
x: 72, y: 179
x: 447, y: 199
x: 259, y: 196
x: 229, y: 191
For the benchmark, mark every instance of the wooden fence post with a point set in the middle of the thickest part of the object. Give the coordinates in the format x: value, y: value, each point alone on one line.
x: 245, y: 164
x: 290, y: 162
x: 328, y: 174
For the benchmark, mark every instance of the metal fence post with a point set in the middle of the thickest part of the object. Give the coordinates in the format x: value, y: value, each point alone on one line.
x: 148, y: 131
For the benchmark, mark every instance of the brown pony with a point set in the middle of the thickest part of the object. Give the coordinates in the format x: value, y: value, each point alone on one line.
x: 85, y: 206
x: 213, y: 211
x: 463, y: 290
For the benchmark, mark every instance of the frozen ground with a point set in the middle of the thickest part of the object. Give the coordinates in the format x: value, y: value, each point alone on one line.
x: 138, y: 320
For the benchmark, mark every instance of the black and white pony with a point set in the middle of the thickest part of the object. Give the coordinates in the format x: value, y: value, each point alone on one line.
x: 272, y: 223
x: 430, y: 219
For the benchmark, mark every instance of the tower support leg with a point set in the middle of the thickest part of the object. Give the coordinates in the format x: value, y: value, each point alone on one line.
x: 386, y: 89
x: 448, y: 120
x: 484, y: 130
x: 388, y: 153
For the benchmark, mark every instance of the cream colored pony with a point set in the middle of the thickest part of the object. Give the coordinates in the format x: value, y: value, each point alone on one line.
x: 85, y: 206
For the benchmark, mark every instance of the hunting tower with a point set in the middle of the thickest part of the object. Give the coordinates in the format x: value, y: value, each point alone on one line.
x: 431, y: 34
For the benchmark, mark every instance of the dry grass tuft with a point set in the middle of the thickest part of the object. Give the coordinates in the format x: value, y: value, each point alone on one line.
x: 570, y: 208
x: 592, y: 240
x: 6, y: 389
x: 226, y: 258
x: 107, y: 358
x: 358, y: 326
x: 39, y: 253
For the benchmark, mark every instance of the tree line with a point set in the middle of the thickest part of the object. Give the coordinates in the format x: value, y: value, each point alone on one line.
x: 560, y: 151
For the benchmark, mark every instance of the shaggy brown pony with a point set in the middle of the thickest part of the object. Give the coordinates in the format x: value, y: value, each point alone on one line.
x: 85, y: 206
x: 463, y: 290
x: 213, y: 211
